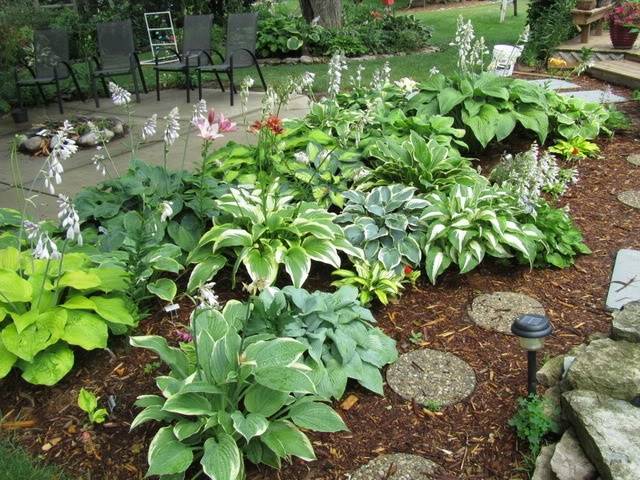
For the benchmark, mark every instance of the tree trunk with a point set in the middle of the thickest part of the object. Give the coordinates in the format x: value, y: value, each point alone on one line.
x: 329, y: 12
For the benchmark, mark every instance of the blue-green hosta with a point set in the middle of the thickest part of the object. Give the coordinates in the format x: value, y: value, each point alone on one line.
x: 46, y: 307
x: 264, y: 229
x: 471, y: 222
x: 383, y: 223
x: 339, y: 333
x: 232, y: 398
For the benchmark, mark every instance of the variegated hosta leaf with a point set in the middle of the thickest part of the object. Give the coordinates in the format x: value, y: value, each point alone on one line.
x: 436, y: 262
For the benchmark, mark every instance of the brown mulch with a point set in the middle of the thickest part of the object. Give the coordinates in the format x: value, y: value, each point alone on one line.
x: 470, y: 440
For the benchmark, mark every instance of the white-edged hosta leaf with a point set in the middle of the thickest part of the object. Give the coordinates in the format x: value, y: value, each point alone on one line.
x: 221, y: 459
x: 321, y: 251
x: 316, y: 416
x: 297, y: 264
x: 168, y: 456
x: 249, y: 426
x: 285, y: 440
x: 233, y: 237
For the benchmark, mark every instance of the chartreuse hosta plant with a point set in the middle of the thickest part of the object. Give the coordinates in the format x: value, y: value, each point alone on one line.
x: 263, y: 229
x: 48, y: 306
x: 373, y: 281
x: 338, y: 331
x: 471, y: 222
x: 231, y: 398
x: 575, y: 148
x: 384, y: 223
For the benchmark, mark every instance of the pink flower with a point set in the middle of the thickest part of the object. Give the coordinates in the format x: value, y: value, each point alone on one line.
x: 214, y: 126
x: 208, y: 131
x: 225, y: 125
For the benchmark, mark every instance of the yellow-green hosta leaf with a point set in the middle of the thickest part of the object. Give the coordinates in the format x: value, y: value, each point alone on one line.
x: 7, y: 360
x: 42, y: 333
x: 14, y: 288
x: 10, y: 259
x: 163, y: 288
x: 80, y: 280
x: 49, y: 366
x: 114, y: 310
x: 85, y: 330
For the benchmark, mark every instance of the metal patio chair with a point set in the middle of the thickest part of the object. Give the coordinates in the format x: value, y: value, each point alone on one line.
x: 50, y: 66
x: 242, y: 31
x: 116, y: 56
x: 196, y: 51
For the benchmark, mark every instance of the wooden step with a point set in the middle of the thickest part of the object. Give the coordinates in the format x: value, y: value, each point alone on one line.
x: 617, y: 72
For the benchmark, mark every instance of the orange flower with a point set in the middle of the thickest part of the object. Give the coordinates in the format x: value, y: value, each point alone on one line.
x: 408, y: 270
x: 274, y: 124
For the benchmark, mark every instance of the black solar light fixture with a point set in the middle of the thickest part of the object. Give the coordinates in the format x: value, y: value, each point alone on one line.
x: 531, y: 330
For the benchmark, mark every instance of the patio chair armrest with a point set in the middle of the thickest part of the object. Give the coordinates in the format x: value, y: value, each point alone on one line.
x: 252, y: 54
x: 199, y: 52
x: 217, y: 52
x: 24, y: 66
x: 66, y: 64
x: 165, y: 49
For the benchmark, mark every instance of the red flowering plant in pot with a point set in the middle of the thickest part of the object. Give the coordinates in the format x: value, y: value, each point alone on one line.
x: 624, y: 24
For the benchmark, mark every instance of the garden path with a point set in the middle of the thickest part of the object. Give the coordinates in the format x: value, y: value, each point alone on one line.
x: 79, y: 169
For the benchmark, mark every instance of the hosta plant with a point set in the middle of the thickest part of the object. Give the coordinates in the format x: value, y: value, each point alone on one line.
x: 426, y: 166
x: 373, y: 281
x: 471, y: 222
x: 384, y: 223
x: 49, y: 306
x: 229, y: 399
x: 339, y: 332
x: 263, y: 229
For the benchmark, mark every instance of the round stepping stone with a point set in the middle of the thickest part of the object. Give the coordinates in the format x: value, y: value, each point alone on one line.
x: 634, y: 159
x: 431, y: 377
x: 497, y: 311
x: 631, y: 198
x: 397, y: 466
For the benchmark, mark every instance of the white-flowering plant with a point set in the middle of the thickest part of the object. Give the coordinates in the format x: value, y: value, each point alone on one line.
x: 471, y: 50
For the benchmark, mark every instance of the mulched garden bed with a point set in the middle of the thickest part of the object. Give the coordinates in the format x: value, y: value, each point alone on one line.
x: 470, y: 440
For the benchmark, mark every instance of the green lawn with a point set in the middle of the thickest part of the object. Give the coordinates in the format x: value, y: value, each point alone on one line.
x: 485, y: 18
x: 16, y: 464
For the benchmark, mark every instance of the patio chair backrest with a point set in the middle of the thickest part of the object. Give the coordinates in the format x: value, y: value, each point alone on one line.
x: 115, y: 44
x: 50, y: 47
x: 242, y: 30
x: 197, y: 36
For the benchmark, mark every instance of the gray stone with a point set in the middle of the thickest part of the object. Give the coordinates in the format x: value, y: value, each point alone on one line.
x: 551, y: 372
x: 397, y: 466
x: 569, y: 461
x: 597, y: 96
x: 90, y: 139
x: 608, y: 367
x: 543, y: 464
x: 634, y: 159
x: 626, y: 323
x: 31, y: 144
x: 431, y: 377
x: 609, y: 432
x: 497, y: 311
x: 306, y: 59
x: 554, y: 84
x: 625, y: 280
x: 118, y: 129
x: 630, y: 198
x: 553, y: 410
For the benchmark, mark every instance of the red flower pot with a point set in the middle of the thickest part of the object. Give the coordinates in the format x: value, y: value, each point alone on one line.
x: 388, y: 3
x: 621, y: 36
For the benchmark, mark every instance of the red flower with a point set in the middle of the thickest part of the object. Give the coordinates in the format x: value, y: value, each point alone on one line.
x: 408, y: 270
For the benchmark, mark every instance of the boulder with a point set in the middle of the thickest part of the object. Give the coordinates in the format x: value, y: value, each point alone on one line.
x: 626, y: 323
x: 608, y: 430
x: 31, y: 144
x: 608, y: 367
x: 118, y: 128
x: 551, y: 372
x: 543, y: 464
x: 569, y: 461
x: 89, y: 139
x: 553, y: 409
x: 306, y: 59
